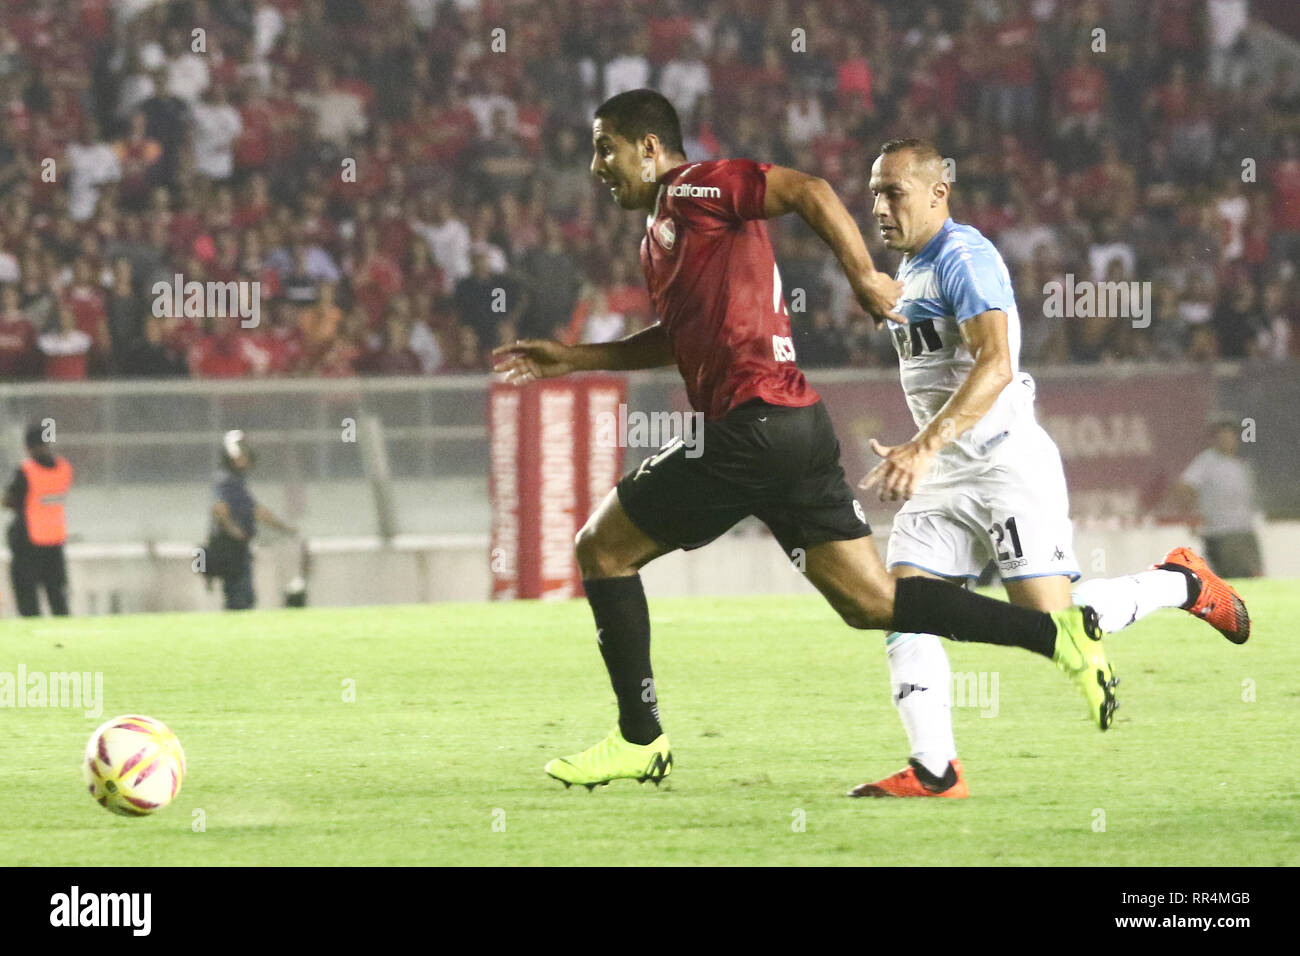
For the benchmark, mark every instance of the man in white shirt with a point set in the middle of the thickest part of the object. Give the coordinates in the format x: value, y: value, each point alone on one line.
x: 426, y: 347
x: 268, y: 24
x: 9, y: 271
x: 128, y: 10
x: 1223, y: 491
x: 804, y: 119
x: 1021, y: 243
x: 629, y: 71
x: 1112, y: 247
x: 449, y: 240
x: 187, y: 71
x: 92, y: 162
x: 1226, y: 22
x: 340, y: 114
x: 685, y: 79
x: 216, y: 127
x: 485, y: 103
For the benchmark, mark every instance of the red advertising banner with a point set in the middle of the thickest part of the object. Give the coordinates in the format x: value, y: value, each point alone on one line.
x: 548, y: 471
x: 505, y: 414
x: 1124, y: 438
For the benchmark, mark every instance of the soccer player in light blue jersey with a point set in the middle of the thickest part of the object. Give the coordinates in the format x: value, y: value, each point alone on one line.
x: 981, y: 479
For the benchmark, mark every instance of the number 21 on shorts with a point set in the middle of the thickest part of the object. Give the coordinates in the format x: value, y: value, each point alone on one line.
x: 1001, y: 531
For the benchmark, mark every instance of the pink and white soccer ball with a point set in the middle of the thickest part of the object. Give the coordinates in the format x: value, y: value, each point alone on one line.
x: 134, y: 765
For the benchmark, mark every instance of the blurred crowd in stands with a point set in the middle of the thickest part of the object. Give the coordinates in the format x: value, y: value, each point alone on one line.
x: 407, y: 180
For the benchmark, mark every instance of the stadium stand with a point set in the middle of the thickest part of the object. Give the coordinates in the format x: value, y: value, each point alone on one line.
x: 142, y: 139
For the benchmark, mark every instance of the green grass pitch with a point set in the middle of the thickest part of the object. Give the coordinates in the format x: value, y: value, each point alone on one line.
x: 774, y: 709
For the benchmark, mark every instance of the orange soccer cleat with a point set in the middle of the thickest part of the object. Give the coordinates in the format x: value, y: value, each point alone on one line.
x: 1209, y: 596
x: 915, y: 781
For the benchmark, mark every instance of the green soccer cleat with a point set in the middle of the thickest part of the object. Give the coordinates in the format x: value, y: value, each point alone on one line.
x: 1080, y: 655
x: 614, y: 758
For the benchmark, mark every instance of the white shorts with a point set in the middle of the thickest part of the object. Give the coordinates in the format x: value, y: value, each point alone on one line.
x: 1012, y: 508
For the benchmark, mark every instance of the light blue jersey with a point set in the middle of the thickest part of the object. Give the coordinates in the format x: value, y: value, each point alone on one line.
x: 955, y: 277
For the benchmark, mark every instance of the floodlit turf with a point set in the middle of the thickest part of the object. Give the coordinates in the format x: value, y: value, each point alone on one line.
x: 774, y: 710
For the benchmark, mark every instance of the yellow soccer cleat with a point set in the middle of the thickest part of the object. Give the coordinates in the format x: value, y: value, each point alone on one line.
x: 1080, y: 655
x: 612, y: 759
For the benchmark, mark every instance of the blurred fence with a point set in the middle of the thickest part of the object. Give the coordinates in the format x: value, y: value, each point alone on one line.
x: 146, y: 451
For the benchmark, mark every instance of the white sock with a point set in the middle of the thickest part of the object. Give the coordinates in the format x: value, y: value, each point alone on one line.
x: 1121, y: 601
x: 920, y: 681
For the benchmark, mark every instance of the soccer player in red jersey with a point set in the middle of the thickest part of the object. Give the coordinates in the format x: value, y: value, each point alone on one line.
x: 767, y: 447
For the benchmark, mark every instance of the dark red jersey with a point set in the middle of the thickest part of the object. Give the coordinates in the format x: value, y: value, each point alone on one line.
x: 714, y: 284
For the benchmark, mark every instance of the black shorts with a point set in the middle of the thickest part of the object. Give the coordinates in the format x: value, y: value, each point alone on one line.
x: 780, y: 464
x: 31, y: 565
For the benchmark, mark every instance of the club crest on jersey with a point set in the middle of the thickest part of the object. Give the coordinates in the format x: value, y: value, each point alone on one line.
x: 666, y: 234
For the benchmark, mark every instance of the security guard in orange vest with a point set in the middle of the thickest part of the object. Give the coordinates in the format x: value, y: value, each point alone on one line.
x: 36, y: 496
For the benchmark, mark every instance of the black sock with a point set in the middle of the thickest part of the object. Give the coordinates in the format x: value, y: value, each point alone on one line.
x: 929, y: 606
x: 623, y: 632
x: 931, y: 782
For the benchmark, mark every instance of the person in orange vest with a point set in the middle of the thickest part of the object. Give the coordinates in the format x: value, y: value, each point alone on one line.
x: 39, y: 529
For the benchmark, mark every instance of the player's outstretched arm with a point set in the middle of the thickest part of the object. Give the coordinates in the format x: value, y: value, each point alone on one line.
x: 531, y: 359
x: 985, y: 337
x: 812, y: 197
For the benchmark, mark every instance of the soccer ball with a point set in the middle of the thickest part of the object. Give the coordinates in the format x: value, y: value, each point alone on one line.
x: 134, y: 765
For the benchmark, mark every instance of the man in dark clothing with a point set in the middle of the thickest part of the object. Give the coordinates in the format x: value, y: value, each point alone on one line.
x: 486, y: 301
x: 235, y: 515
x: 151, y: 356
x: 39, y: 529
x: 126, y: 313
x: 553, y: 282
x: 166, y: 117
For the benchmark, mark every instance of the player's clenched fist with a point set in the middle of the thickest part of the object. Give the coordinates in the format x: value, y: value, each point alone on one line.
x: 530, y: 359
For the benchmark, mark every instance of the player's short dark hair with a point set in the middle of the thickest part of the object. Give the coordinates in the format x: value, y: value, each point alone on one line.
x: 35, y: 435
x: 922, y: 148
x: 636, y: 113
